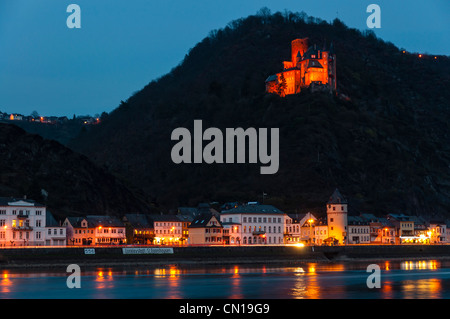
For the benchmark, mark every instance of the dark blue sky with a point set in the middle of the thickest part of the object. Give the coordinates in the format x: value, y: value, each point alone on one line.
x: 123, y: 45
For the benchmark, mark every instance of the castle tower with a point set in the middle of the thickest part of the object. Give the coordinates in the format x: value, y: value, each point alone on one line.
x: 337, y: 217
x: 298, y: 45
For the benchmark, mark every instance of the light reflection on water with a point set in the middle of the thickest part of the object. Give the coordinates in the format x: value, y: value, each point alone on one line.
x: 406, y: 279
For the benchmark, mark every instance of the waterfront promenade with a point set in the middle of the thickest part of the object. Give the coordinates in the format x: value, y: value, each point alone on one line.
x: 109, y: 255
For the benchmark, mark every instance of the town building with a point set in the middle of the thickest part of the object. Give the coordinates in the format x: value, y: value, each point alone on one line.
x: 309, y: 67
x: 108, y: 230
x: 299, y: 228
x: 206, y: 229
x: 255, y: 224
x: 94, y: 230
x: 358, y: 230
x: 139, y: 229
x: 447, y: 231
x: 168, y: 230
x: 337, y: 210
x: 388, y: 232
x: 321, y: 236
x: 404, y: 228
x: 231, y: 231
x: 186, y: 220
x: 22, y: 222
x: 437, y: 232
x: 79, y: 231
x: 55, y: 231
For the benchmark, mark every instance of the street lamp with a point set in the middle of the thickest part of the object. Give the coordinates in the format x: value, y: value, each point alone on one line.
x: 310, y: 221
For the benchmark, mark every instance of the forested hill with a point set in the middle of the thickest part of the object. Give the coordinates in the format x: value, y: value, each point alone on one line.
x: 67, y: 182
x: 383, y: 140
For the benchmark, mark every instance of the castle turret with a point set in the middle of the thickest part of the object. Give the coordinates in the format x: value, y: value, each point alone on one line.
x: 298, y: 45
x: 337, y: 209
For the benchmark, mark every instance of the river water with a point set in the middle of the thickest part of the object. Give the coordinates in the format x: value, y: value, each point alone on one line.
x: 399, y: 280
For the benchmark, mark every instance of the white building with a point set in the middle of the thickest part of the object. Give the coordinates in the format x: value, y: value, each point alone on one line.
x: 255, y: 224
x: 320, y: 234
x: 55, y: 232
x: 358, y: 230
x: 168, y: 229
x: 22, y: 222
x: 438, y: 232
x: 108, y: 230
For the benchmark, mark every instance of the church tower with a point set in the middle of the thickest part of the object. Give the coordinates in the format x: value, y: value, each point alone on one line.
x: 337, y: 209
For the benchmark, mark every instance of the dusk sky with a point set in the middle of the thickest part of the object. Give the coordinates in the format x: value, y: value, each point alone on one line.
x: 123, y: 45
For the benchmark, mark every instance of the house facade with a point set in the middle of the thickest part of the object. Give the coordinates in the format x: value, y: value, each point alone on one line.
x: 404, y: 227
x: 108, y: 230
x: 55, y: 231
x: 95, y: 230
x: 206, y: 229
x: 79, y: 231
x: 438, y: 232
x: 320, y: 233
x: 299, y: 228
x: 255, y: 224
x: 139, y: 229
x: 358, y: 230
x: 22, y: 222
x: 168, y: 230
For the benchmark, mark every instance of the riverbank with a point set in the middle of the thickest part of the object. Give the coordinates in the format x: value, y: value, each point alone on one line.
x: 14, y: 258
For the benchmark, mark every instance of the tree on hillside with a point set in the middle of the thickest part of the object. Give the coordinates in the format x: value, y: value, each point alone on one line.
x: 281, y: 89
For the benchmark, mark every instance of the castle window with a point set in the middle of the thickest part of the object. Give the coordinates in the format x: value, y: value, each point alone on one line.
x: 334, y: 208
x: 342, y: 207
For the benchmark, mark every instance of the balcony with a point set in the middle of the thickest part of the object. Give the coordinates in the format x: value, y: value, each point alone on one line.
x: 22, y: 216
x: 255, y: 233
x: 26, y: 227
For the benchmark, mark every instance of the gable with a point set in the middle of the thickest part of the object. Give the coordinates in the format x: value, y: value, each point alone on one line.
x: 213, y: 222
x: 20, y: 203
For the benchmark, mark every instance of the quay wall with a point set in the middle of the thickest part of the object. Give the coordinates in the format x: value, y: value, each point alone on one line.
x: 16, y: 257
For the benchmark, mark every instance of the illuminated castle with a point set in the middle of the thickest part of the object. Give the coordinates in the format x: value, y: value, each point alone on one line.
x: 309, y: 67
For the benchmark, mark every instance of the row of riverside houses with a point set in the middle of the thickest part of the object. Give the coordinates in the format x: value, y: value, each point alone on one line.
x: 24, y: 222
x: 131, y: 229
x: 264, y: 224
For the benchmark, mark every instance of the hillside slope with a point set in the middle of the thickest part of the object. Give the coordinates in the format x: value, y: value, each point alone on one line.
x: 386, y: 147
x: 75, y: 186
